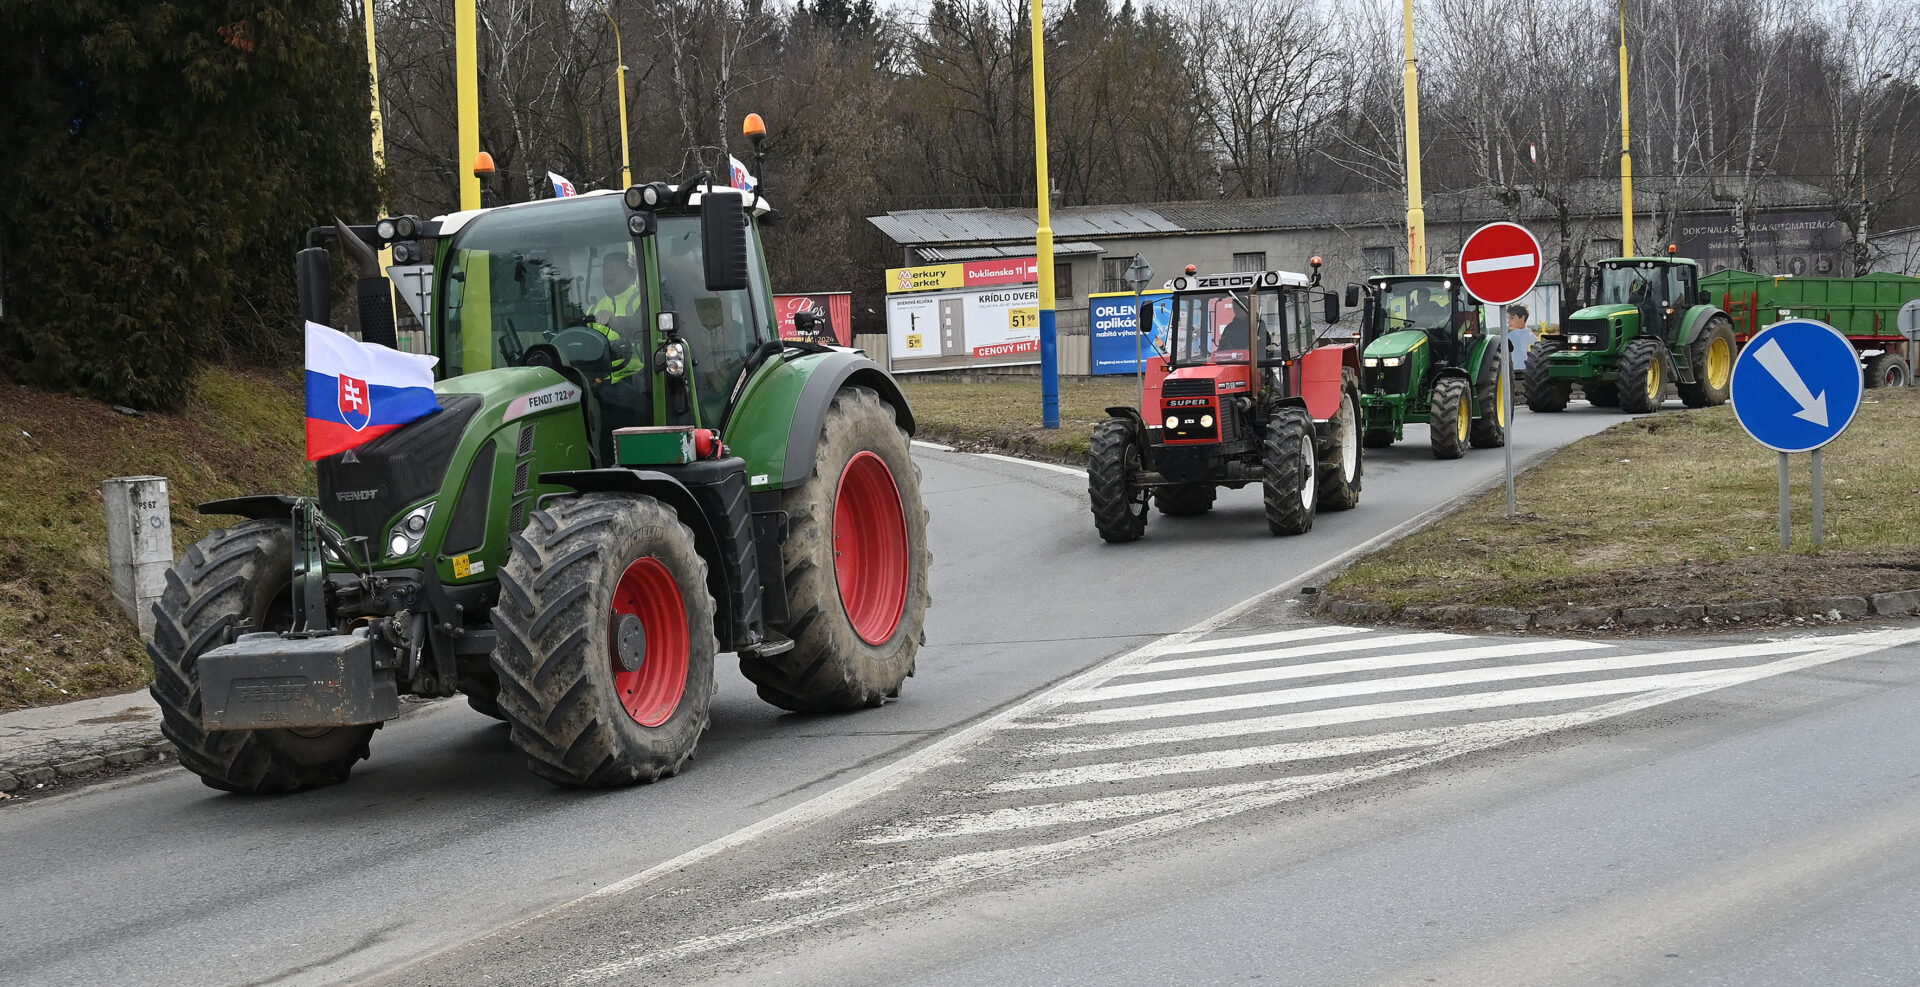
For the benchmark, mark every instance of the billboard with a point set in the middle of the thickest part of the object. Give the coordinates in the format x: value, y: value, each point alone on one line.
x: 835, y: 308
x: 954, y: 316
x: 1796, y: 242
x: 1113, y: 345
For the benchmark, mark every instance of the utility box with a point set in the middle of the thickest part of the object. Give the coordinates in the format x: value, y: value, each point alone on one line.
x: 139, y: 543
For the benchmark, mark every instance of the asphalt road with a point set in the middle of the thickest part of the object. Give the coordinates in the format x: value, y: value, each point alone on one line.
x: 443, y: 838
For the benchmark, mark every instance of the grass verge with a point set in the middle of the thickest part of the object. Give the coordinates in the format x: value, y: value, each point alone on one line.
x: 61, y: 634
x: 1002, y: 414
x: 1673, y: 508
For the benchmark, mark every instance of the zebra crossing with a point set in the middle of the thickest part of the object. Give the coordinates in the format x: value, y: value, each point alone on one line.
x: 1188, y: 732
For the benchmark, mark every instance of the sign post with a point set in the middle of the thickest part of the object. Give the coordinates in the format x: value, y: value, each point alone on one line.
x: 1499, y: 265
x: 1138, y: 274
x: 1796, y: 387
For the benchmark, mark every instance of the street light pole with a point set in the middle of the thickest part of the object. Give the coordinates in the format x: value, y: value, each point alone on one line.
x: 1626, y: 148
x: 466, y: 67
x: 1043, y: 237
x: 1416, y: 209
x: 619, y: 55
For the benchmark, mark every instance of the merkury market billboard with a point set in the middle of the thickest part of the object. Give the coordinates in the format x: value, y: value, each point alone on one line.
x: 952, y: 316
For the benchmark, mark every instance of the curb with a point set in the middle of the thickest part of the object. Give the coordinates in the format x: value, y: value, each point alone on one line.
x: 1632, y: 620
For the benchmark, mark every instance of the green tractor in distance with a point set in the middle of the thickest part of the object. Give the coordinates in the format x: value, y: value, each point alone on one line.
x: 1648, y: 321
x: 629, y: 473
x: 1427, y: 358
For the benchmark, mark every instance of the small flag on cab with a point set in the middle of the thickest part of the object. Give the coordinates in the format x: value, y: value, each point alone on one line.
x: 357, y: 392
x: 561, y: 187
x: 739, y: 177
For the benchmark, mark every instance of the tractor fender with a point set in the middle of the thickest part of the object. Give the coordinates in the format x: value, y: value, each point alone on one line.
x: 1139, y: 433
x: 1323, y: 376
x: 1695, y: 323
x: 671, y: 492
x: 776, y: 424
x: 253, y: 507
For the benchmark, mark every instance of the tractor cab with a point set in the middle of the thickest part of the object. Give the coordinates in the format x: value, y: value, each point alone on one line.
x: 1408, y: 312
x: 1428, y: 359
x: 1657, y: 290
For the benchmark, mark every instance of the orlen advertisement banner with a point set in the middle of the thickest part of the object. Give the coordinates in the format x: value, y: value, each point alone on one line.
x: 835, y: 308
x: 1115, y: 344
x: 977, y: 314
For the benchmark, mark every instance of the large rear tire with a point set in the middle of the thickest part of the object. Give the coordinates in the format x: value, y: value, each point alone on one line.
x: 1448, y: 420
x: 1185, y: 499
x: 1888, y: 370
x: 605, y: 656
x: 1290, y: 489
x: 1544, y: 394
x: 1113, y: 461
x: 857, y: 566
x: 1340, y: 464
x: 237, y: 576
x: 1489, y: 428
x: 1712, y: 356
x: 1643, y: 376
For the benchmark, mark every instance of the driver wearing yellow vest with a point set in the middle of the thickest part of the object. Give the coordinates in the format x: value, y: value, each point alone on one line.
x: 621, y: 301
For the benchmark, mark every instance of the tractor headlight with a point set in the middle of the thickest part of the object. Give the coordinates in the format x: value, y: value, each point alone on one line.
x: 1206, y: 421
x: 406, y: 535
x: 1173, y: 422
x: 1372, y: 361
x: 673, y: 358
x: 1583, y: 339
x: 1393, y: 361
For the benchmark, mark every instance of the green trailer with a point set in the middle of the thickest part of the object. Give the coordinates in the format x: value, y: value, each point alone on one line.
x: 1648, y: 322
x: 1865, y: 309
x: 1427, y: 358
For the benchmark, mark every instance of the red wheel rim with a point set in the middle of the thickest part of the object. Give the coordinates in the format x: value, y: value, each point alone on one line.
x: 648, y: 593
x: 870, y: 548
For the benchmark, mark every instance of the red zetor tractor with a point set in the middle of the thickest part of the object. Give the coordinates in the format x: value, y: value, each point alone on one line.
x: 1248, y: 397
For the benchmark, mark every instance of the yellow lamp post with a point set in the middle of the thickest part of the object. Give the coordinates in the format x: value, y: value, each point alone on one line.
x: 620, y: 56
x: 1626, y: 147
x: 1043, y: 237
x: 466, y: 70
x: 1416, y: 212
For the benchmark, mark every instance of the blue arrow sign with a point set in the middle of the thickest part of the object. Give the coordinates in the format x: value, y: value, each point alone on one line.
x: 1796, y: 385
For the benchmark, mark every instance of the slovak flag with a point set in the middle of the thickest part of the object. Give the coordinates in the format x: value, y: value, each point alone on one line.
x: 561, y: 187
x: 739, y: 177
x: 358, y: 391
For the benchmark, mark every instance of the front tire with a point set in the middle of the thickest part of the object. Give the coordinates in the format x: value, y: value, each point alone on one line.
x: 1544, y: 394
x: 605, y: 653
x: 1113, y: 461
x: 1290, y: 489
x: 1643, y: 376
x: 857, y: 566
x: 1448, y: 421
x: 1340, y: 465
x: 237, y: 578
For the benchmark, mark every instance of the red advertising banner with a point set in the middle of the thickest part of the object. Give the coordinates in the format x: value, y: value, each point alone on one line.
x: 979, y: 273
x: 836, y: 315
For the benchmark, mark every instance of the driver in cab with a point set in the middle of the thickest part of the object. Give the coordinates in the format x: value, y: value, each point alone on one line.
x: 622, y: 301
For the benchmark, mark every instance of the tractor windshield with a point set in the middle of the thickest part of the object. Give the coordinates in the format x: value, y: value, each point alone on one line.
x: 1626, y: 284
x: 721, y: 328
x: 1218, y: 326
x: 518, y: 277
x: 1417, y: 304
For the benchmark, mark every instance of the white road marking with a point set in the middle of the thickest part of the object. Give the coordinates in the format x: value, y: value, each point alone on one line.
x: 947, y: 874
x: 1408, y: 683
x: 1277, y: 654
x: 1243, y: 757
x: 1056, y: 467
x: 1057, y: 813
x: 935, y: 446
x: 1507, y: 263
x: 1372, y: 663
x: 1257, y: 640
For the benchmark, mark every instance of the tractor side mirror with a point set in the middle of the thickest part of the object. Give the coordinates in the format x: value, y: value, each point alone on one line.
x: 1143, y: 319
x: 1353, y: 295
x: 723, y: 239
x: 806, y: 324
x: 313, y: 276
x: 1331, y: 313
x: 1706, y: 297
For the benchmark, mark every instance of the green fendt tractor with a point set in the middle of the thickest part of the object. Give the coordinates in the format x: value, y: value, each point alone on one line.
x: 1427, y: 358
x: 629, y: 473
x: 1647, y: 322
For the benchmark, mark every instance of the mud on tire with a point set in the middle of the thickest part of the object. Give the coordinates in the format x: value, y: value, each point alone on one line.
x: 556, y: 655
x: 237, y: 576
x: 834, y: 666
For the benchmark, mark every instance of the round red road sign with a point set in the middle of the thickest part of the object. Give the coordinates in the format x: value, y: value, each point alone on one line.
x: 1500, y: 263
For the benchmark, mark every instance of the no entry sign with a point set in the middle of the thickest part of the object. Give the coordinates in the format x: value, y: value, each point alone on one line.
x: 1500, y: 263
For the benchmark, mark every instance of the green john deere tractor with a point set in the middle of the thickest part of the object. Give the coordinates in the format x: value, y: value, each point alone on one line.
x: 1648, y: 322
x: 1428, y: 359
x: 629, y: 473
